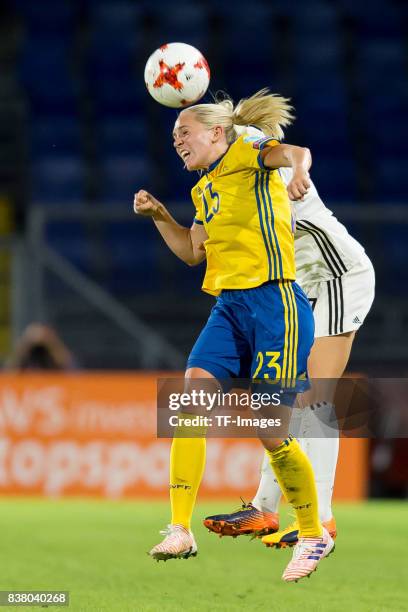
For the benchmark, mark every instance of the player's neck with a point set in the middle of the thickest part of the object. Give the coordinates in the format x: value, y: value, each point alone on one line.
x: 217, y: 151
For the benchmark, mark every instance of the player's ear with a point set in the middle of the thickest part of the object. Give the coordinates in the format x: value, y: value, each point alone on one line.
x: 218, y: 131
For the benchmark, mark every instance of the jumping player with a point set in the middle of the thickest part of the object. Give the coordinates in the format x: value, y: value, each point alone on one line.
x: 243, y: 227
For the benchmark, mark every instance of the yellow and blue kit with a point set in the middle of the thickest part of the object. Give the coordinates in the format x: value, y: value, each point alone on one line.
x: 246, y: 213
x: 262, y: 324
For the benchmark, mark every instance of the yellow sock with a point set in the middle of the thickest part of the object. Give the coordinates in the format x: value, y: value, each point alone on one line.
x: 187, y: 462
x: 295, y: 476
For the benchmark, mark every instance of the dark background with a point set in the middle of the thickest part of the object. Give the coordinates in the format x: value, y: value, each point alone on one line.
x: 79, y: 135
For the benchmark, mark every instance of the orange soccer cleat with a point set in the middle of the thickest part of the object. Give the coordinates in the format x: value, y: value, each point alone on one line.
x: 246, y: 520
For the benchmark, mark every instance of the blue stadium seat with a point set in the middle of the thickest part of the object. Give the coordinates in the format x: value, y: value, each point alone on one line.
x: 385, y: 122
x: 238, y: 87
x: 42, y: 56
x: 317, y: 57
x: 335, y: 179
x: 250, y: 66
x: 328, y: 91
x: 183, y: 18
x: 122, y: 17
x: 182, y: 22
x: 45, y: 73
x: 68, y: 238
x: 391, y: 103
x: 327, y: 95
x: 121, y: 177
x: 55, y: 136
x: 189, y: 279
x: 109, y: 55
x: 55, y: 18
x: 57, y: 181
x: 388, y: 180
x: 128, y: 136
x: 62, y: 99
x: 118, y: 97
x: 260, y: 7
x: 323, y: 99
x: 392, y: 242
x: 242, y: 19
x: 378, y: 9
x: 176, y: 183
x: 134, y: 253
x: 388, y: 141
x: 315, y: 19
x: 383, y: 50
x: 381, y: 63
x: 383, y: 21
x: 110, y: 66
x: 335, y: 140
x: 248, y: 33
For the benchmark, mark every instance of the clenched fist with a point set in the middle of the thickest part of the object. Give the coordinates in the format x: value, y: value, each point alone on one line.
x: 299, y: 185
x: 145, y: 204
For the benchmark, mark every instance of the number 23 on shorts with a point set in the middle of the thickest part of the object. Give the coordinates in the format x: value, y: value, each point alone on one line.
x: 268, y: 359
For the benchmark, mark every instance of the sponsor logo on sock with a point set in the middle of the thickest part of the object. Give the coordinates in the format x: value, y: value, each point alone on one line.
x: 180, y: 486
x: 302, y: 507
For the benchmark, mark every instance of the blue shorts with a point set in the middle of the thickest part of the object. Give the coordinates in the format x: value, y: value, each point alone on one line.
x: 263, y: 333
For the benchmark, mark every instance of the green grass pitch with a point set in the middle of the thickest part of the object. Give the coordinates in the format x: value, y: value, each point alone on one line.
x: 97, y: 551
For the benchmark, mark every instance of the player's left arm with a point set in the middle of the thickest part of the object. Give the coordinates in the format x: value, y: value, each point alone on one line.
x: 299, y: 158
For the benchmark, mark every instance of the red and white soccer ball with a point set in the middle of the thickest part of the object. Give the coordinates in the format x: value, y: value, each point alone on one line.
x: 177, y: 75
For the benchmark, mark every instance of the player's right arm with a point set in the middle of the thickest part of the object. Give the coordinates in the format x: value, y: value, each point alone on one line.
x: 186, y: 243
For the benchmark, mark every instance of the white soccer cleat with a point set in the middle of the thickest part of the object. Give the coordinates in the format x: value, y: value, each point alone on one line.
x: 307, y: 554
x: 179, y: 543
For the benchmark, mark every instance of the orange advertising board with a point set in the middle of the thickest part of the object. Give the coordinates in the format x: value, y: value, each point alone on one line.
x: 94, y: 434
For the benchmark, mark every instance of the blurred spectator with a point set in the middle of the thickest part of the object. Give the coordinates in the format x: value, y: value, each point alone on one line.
x: 40, y: 348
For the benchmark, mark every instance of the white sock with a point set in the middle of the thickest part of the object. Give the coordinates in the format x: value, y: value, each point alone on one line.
x: 319, y: 419
x: 268, y: 496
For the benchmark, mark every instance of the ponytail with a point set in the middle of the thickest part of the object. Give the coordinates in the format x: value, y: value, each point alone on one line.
x: 266, y: 111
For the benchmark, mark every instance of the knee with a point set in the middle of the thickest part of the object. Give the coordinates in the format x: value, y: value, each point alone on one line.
x: 197, y: 373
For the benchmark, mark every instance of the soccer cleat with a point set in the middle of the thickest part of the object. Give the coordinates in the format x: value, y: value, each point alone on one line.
x: 179, y: 543
x: 289, y: 535
x: 247, y: 520
x: 307, y: 554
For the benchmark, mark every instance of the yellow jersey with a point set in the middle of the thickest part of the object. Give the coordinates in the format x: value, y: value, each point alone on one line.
x: 245, y: 210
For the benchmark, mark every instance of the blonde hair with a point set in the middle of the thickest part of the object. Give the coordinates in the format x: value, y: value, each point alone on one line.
x: 264, y: 110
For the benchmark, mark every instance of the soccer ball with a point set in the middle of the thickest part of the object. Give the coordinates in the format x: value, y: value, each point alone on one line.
x: 177, y: 75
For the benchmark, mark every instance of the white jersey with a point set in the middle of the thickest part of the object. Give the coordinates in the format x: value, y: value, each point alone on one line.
x: 331, y: 267
x: 323, y: 247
